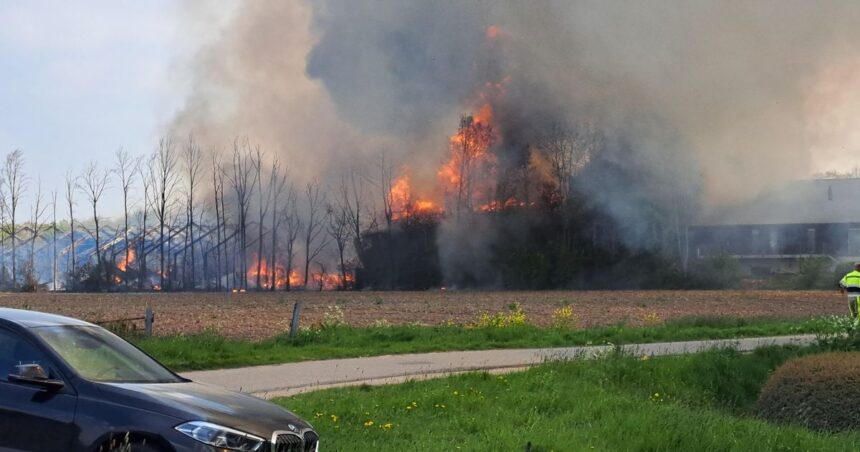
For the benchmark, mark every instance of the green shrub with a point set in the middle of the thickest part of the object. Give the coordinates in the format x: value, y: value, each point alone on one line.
x: 819, y: 392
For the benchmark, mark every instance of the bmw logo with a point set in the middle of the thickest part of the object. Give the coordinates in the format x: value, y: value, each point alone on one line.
x: 292, y: 427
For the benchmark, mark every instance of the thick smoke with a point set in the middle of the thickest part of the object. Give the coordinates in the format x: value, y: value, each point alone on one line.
x: 722, y: 99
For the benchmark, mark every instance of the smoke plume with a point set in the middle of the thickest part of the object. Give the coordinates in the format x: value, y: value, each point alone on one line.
x: 711, y: 98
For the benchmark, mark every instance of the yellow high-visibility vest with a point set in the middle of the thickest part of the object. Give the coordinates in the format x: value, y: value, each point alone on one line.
x: 851, y: 283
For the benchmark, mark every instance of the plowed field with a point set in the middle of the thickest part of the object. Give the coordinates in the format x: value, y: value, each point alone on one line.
x: 261, y: 315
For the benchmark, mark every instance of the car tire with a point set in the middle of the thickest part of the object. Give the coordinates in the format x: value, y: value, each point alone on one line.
x: 143, y: 447
x: 133, y: 447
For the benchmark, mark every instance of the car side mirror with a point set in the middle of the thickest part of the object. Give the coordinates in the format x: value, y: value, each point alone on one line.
x: 36, y: 375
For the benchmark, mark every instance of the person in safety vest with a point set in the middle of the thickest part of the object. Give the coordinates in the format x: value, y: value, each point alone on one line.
x: 850, y: 285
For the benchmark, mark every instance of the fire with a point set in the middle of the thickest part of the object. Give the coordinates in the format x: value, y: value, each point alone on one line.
x: 281, y: 275
x: 469, y: 172
x: 403, y: 203
x: 332, y: 281
x: 467, y: 178
x: 124, y: 264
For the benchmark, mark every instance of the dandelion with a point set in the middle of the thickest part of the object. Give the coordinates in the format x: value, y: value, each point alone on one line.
x: 334, y: 418
x: 387, y: 426
x: 368, y: 423
x: 656, y: 397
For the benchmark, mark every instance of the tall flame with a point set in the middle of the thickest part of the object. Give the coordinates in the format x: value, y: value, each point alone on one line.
x: 467, y: 178
x: 126, y: 261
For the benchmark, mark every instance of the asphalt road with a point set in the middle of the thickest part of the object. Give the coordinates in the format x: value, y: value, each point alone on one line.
x: 293, y: 378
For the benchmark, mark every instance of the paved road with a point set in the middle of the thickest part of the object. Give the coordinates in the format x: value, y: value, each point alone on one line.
x: 287, y: 379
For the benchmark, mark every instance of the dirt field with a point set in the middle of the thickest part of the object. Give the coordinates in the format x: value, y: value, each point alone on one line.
x: 260, y: 315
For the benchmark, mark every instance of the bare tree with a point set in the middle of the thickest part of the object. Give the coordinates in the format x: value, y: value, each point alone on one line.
x: 37, y: 212
x: 352, y: 200
x: 277, y: 185
x: 568, y: 150
x: 264, y: 199
x: 13, y: 175
x: 4, y: 282
x: 242, y: 182
x: 315, y: 240
x: 321, y: 276
x: 293, y: 227
x: 124, y: 167
x: 70, y: 201
x: 146, y: 183
x: 93, y: 183
x: 472, y: 141
x: 218, y: 193
x: 163, y: 179
x: 193, y: 167
x: 54, y: 268
x: 340, y: 232
x: 386, y: 179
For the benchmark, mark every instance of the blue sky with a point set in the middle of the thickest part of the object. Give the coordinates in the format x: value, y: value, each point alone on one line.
x: 78, y: 80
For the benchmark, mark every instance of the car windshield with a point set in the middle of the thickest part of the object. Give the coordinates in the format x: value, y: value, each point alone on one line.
x: 98, y: 355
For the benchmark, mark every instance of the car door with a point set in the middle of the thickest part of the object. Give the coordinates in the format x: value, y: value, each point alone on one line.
x: 32, y: 418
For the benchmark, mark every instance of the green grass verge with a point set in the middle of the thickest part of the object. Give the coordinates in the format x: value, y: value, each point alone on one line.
x: 210, y: 351
x: 696, y: 402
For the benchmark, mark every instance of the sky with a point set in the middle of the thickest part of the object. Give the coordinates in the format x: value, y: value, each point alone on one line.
x: 79, y: 80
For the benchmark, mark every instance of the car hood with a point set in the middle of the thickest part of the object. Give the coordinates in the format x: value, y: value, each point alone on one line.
x: 198, y: 402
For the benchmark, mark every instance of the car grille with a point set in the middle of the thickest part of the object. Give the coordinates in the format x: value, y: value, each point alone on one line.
x: 291, y: 442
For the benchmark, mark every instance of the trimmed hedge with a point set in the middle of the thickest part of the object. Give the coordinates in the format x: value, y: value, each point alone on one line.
x: 820, y: 392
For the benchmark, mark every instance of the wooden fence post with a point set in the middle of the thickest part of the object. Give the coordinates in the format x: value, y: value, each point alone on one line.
x: 294, y: 323
x: 148, y: 320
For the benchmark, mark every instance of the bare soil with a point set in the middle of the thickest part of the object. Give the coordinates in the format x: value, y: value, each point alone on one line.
x: 261, y: 315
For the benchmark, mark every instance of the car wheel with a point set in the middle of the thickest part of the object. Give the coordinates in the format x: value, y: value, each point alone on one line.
x: 133, y: 447
x: 143, y: 447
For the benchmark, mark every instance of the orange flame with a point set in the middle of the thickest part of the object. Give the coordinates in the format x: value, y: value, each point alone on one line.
x: 403, y: 204
x: 467, y: 178
x: 332, y: 281
x: 281, y: 276
x: 470, y: 168
x: 124, y: 264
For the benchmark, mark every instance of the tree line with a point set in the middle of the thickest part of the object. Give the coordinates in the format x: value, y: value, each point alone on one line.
x: 192, y: 219
x: 567, y: 209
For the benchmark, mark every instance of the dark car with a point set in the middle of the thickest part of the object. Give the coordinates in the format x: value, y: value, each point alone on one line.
x: 68, y: 385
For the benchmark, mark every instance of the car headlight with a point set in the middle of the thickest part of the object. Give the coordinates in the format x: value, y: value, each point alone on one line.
x: 220, y: 436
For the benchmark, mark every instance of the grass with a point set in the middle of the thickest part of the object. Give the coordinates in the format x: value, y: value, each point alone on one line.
x: 698, y: 402
x: 210, y: 351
